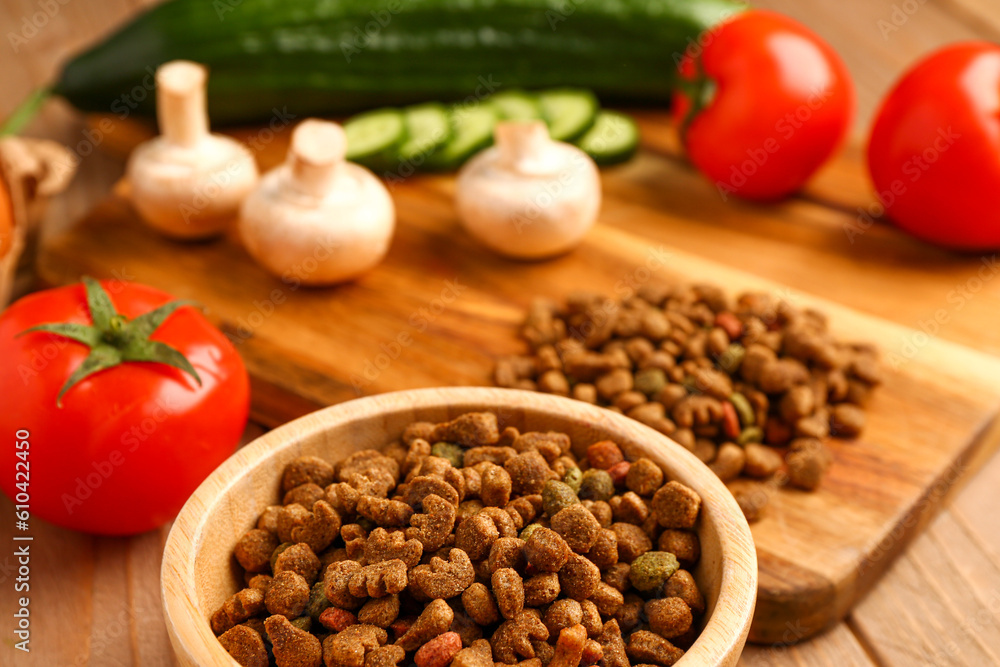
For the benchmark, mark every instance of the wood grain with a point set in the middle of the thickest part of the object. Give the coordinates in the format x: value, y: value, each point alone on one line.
x: 198, y: 572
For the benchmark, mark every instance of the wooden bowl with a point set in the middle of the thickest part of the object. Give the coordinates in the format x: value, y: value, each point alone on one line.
x: 199, y: 571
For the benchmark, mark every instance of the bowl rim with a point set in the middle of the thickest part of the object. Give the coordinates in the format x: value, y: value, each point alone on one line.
x: 720, y: 642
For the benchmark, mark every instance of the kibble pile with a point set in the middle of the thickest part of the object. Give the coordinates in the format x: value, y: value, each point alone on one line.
x: 753, y: 386
x: 484, y: 548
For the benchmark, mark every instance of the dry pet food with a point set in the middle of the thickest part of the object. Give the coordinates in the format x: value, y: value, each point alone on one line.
x: 753, y: 386
x: 467, y: 545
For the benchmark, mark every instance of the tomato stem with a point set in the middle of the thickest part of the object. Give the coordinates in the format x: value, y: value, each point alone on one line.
x: 114, y: 339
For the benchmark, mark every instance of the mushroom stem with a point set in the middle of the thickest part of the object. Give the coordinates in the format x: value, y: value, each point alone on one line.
x: 181, y: 106
x: 522, y: 143
x: 317, y: 149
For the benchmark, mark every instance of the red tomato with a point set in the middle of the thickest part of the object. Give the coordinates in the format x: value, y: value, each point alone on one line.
x: 130, y: 443
x: 766, y: 103
x: 934, y: 153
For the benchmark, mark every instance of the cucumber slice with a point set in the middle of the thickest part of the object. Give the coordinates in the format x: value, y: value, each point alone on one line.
x: 613, y: 138
x: 374, y: 133
x: 516, y: 105
x: 428, y: 126
x: 568, y: 112
x: 472, y: 131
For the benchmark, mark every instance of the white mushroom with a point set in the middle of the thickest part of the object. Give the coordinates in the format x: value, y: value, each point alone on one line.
x: 188, y: 183
x: 318, y: 219
x: 529, y: 196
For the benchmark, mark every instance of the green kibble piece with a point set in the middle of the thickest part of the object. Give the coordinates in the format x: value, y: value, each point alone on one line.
x: 557, y: 496
x: 651, y: 569
x: 743, y: 409
x: 454, y: 454
x: 302, y: 623
x: 528, y: 530
x: 572, y: 479
x: 732, y: 358
x: 596, y: 485
x: 750, y: 434
x: 278, y: 551
x: 650, y: 381
x: 317, y: 600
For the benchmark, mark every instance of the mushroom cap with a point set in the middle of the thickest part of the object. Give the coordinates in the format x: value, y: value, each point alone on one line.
x: 538, y: 210
x: 190, y: 193
x: 320, y: 240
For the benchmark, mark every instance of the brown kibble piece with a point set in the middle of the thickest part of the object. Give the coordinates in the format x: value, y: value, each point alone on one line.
x: 607, y: 599
x: 292, y: 647
x: 604, y: 553
x: 348, y: 647
x: 682, y: 585
x: 546, y: 550
x: 435, y: 619
x: 591, y: 618
x: 386, y: 577
x: 669, y: 617
x: 473, y: 429
x: 318, y: 529
x: 647, y: 647
x: 385, y: 656
x: 476, y: 536
x: 632, y: 541
x: 367, y: 463
x: 629, y: 508
x: 569, y: 647
x: 384, y: 512
x: 847, y: 420
x: 528, y: 473
x: 446, y: 578
x: 245, y: 646
x: 287, y: 595
x: 761, y: 461
x: 238, y: 608
x: 383, y: 545
x: 306, y: 470
x: 380, y: 612
x: 433, y: 527
x: 290, y: 517
x: 541, y: 589
x: 579, y: 578
x: 337, y: 580
x: 254, y: 550
x: 601, y: 510
x: 644, y: 477
x: 577, y: 526
x: 630, y: 614
x: 561, y: 614
x: 495, y: 486
x: 617, y: 576
x: 808, y: 459
x: 729, y: 462
x: 507, y: 552
x: 613, y: 646
x: 513, y: 637
x: 508, y: 587
x: 304, y: 494
x: 479, y: 604
x: 480, y: 654
x: 676, y: 506
x: 422, y: 486
x: 683, y: 544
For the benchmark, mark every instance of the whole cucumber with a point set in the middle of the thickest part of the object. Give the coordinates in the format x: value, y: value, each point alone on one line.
x: 342, y: 56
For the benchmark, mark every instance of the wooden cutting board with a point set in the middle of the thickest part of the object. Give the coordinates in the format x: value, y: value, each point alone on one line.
x: 441, y: 309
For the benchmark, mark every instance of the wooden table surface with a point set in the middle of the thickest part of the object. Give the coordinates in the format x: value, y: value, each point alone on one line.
x: 95, y: 601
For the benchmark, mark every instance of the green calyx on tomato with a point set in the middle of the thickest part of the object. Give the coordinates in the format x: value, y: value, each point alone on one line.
x: 113, y: 339
x: 699, y: 90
